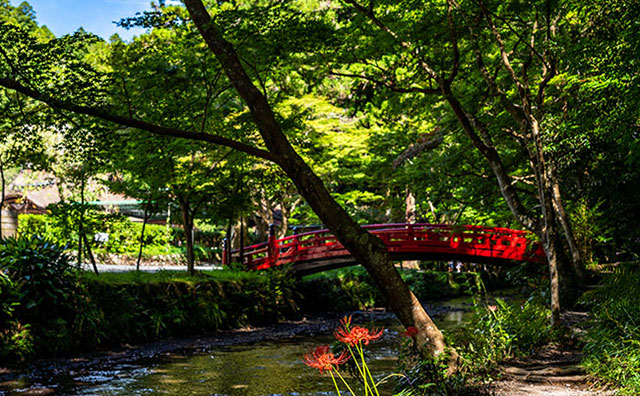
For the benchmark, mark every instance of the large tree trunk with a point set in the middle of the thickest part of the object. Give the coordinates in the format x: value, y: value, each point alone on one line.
x: 547, y: 236
x: 548, y: 230
x: 286, y: 210
x: 263, y: 216
x: 368, y: 249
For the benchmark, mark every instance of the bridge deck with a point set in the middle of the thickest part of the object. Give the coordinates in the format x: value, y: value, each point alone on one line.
x: 320, y: 250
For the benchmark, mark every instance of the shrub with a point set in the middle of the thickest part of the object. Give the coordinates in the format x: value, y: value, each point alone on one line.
x: 612, y: 349
x: 49, y: 311
x: 141, y: 307
x: 124, y: 235
x: 15, y: 338
x: 498, y: 332
x: 352, y: 288
x: 40, y: 270
x: 8, y: 297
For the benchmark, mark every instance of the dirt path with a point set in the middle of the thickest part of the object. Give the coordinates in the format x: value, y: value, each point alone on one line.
x: 554, y: 370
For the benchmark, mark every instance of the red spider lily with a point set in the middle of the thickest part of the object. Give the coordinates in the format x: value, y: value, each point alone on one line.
x: 322, y: 359
x: 355, y: 335
x: 411, y: 332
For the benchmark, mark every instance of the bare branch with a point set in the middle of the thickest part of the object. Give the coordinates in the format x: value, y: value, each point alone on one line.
x: 548, y: 74
x: 517, y: 34
x: 453, y: 34
x: 427, y: 141
x: 503, y: 52
x: 529, y: 60
x: 511, y: 108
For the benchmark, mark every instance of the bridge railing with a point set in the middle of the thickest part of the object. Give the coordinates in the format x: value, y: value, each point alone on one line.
x: 487, y: 242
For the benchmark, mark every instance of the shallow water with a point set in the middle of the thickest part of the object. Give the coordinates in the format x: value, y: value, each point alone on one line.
x: 263, y: 368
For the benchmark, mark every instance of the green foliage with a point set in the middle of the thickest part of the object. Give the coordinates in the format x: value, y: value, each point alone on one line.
x: 80, y: 313
x: 8, y: 296
x: 428, y: 377
x: 40, y: 270
x: 124, y: 235
x: 50, y: 312
x: 498, y: 332
x: 612, y: 349
x: 353, y: 288
x: 146, y: 306
x: 15, y: 338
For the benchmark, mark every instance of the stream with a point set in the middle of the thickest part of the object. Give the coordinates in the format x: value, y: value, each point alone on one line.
x: 265, y: 367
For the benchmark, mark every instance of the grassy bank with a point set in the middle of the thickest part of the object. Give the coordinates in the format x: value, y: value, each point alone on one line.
x: 140, y: 307
x: 115, y: 309
x: 47, y: 308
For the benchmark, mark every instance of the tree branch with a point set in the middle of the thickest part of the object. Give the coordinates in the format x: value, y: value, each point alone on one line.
x: 503, y: 52
x: 388, y: 84
x: 453, y: 34
x: 404, y: 44
x: 133, y: 123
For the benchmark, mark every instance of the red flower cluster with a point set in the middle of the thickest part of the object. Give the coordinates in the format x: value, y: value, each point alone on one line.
x: 322, y: 359
x: 356, y: 334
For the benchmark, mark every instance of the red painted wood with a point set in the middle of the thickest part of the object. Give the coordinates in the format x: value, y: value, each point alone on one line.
x: 421, y: 239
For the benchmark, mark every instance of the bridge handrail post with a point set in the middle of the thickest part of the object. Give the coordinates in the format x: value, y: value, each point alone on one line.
x: 225, y: 252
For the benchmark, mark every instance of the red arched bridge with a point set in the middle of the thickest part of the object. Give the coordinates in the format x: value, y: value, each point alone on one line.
x: 317, y: 251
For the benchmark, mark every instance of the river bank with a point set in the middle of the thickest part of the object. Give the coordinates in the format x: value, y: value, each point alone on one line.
x: 250, y: 360
x: 108, y: 310
x: 84, y: 374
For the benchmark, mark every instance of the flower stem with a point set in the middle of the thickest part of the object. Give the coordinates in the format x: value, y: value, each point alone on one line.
x: 366, y: 369
x: 360, y: 370
x: 334, y: 382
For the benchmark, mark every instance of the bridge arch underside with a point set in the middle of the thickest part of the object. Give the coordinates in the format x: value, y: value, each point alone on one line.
x: 307, y: 267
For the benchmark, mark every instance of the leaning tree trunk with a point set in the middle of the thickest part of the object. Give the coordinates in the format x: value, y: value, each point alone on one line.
x: 368, y: 249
